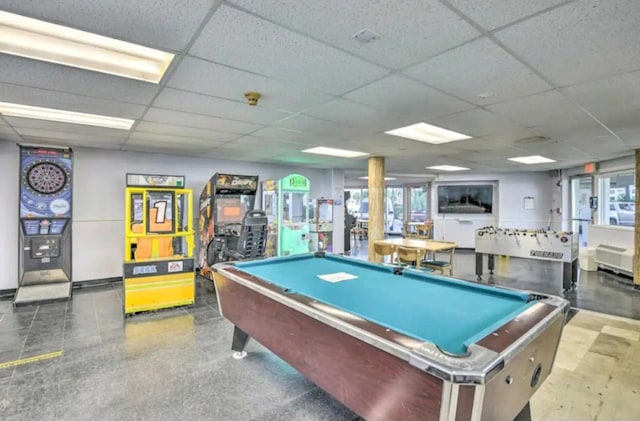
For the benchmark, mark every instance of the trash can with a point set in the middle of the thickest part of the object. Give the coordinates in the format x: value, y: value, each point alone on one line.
x: 587, y: 259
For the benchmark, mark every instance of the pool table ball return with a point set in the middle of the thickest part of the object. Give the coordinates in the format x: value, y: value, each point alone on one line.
x: 394, y: 343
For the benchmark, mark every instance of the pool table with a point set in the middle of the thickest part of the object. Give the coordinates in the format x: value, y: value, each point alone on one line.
x: 393, y: 343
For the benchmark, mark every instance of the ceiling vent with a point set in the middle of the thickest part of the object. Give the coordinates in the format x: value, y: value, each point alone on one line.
x: 365, y: 36
x: 533, y: 140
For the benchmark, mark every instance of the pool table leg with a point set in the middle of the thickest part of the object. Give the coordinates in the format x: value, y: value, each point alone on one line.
x: 525, y: 414
x: 479, y: 262
x: 240, y: 340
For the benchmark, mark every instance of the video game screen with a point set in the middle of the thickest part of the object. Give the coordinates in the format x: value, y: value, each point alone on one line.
x: 230, y: 210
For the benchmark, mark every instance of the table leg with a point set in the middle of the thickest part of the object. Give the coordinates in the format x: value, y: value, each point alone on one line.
x: 479, y: 264
x: 240, y: 340
x: 569, y: 275
x: 491, y: 262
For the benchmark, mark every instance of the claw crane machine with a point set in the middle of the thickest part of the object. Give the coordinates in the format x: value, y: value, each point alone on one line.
x: 159, y: 266
x: 321, y: 225
x: 285, y: 202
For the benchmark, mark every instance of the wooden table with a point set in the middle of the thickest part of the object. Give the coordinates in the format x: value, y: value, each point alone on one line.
x: 424, y: 246
x: 427, y: 246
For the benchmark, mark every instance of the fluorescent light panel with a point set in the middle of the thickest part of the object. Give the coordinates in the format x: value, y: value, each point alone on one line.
x: 533, y: 159
x: 62, y: 116
x: 342, y: 153
x: 36, y: 39
x: 447, y: 168
x: 424, y: 132
x: 385, y: 179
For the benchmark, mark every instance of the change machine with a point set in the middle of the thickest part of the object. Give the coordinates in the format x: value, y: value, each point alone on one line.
x: 321, y: 225
x: 285, y: 202
x: 159, y: 267
x: 225, y: 200
x: 45, y: 225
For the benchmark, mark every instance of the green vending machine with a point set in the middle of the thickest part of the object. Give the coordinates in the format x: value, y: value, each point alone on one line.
x: 285, y: 204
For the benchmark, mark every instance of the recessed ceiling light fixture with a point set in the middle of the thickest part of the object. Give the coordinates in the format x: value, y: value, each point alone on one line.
x: 342, y: 153
x: 447, y: 168
x: 40, y: 40
x: 424, y: 132
x: 533, y: 159
x: 63, y: 116
x: 385, y: 179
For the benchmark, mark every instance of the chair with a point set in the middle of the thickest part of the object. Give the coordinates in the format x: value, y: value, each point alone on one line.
x: 442, y: 265
x: 408, y: 232
x: 384, y: 250
x: 423, y: 231
x: 251, y: 240
x: 409, y: 256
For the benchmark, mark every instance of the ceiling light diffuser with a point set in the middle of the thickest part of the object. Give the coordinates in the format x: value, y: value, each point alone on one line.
x: 533, y: 159
x: 385, y: 179
x: 342, y: 153
x: 424, y: 132
x: 447, y: 168
x: 63, y: 116
x: 40, y: 40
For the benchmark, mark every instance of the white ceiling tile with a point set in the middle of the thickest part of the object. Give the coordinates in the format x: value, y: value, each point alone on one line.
x: 84, y: 143
x: 479, y: 122
x: 307, y: 123
x: 579, y: 41
x: 6, y: 133
x: 607, y: 98
x: 213, y: 79
x: 38, y: 74
x: 491, y: 14
x: 407, y: 98
x: 155, y: 23
x: 275, y: 132
x: 354, y: 114
x: 164, y: 139
x: 182, y: 131
x: 476, y: 68
x: 264, y: 145
x: 70, y: 102
x: 547, y: 108
x: 409, y: 31
x: 623, y: 122
x: 54, y: 126
x: 160, y: 115
x: 70, y: 136
x: 277, y: 52
x: 175, y: 99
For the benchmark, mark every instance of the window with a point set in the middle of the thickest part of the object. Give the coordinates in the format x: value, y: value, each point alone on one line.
x: 418, y: 202
x: 618, y: 191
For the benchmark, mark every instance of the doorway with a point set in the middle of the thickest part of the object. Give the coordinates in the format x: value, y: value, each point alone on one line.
x: 581, y: 212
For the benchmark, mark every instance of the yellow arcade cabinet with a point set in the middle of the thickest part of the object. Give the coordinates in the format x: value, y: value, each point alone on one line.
x: 159, y: 266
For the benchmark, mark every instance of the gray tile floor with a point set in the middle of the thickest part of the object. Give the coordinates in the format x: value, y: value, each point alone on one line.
x: 173, y: 364
x: 176, y: 364
x: 597, y: 291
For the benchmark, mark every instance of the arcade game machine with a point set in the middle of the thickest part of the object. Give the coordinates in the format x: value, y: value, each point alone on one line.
x: 224, y: 202
x: 45, y: 225
x: 284, y: 202
x: 321, y: 225
x: 159, y: 267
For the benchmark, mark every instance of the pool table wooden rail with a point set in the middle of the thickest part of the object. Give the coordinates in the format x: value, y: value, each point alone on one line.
x: 377, y: 372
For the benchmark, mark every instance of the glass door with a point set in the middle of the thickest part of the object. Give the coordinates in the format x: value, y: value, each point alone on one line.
x: 418, y: 203
x: 581, y: 212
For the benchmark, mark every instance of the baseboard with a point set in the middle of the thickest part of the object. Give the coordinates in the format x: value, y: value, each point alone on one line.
x: 8, y: 293
x: 96, y: 282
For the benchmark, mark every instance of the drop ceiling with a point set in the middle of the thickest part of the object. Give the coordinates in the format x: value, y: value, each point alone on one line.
x: 501, y: 71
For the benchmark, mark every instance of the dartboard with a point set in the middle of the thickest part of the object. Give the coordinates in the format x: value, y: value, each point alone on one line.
x: 46, y: 178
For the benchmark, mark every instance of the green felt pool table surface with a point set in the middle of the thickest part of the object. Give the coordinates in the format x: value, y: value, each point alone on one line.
x: 448, y: 312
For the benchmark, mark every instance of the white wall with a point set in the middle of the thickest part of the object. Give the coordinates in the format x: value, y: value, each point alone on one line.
x: 98, y: 201
x: 509, y: 196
